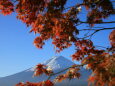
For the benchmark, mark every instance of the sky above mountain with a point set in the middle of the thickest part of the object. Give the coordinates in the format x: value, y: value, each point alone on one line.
x: 17, y: 51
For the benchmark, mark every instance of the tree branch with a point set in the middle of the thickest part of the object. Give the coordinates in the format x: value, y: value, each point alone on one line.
x: 99, y: 22
x: 98, y: 29
x: 95, y: 31
x: 64, y: 70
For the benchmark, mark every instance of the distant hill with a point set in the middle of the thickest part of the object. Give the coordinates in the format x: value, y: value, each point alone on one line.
x: 57, y: 64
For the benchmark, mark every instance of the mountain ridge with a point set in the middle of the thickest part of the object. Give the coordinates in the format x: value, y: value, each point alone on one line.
x: 55, y: 63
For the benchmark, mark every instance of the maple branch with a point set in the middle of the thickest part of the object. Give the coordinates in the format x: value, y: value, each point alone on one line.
x: 85, y: 22
x: 95, y: 31
x: 97, y: 22
x: 100, y: 46
x: 64, y: 70
x: 98, y: 29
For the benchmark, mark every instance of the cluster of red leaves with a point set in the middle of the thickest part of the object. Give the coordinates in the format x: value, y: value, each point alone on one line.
x: 54, y: 28
x: 70, y: 74
x: 48, y: 23
x: 103, y: 71
x: 99, y: 9
x: 28, y: 10
x: 43, y: 83
x: 6, y: 7
x: 40, y: 69
x: 38, y: 42
x: 84, y: 48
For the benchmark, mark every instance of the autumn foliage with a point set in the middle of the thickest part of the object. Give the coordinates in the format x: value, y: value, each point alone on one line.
x: 6, y: 7
x: 40, y: 69
x: 44, y: 83
x: 51, y: 19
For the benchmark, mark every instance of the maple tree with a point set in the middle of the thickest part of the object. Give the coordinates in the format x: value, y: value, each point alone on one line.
x: 51, y: 19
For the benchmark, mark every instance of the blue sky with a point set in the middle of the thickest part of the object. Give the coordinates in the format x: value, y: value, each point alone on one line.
x: 17, y: 51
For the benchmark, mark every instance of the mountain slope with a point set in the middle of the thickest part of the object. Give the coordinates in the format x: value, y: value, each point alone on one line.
x: 57, y: 64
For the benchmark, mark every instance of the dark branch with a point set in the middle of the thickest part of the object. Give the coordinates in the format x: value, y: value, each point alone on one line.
x: 64, y: 70
x: 99, y: 22
x: 96, y: 30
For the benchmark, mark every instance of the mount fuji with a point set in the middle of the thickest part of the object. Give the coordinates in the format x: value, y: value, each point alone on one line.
x: 56, y: 63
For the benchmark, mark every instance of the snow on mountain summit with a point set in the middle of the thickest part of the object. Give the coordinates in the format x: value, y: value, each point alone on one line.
x: 59, y: 62
x: 56, y: 63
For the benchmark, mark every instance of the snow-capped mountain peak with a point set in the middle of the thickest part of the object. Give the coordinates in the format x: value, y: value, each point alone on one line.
x: 59, y: 62
x: 55, y: 63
